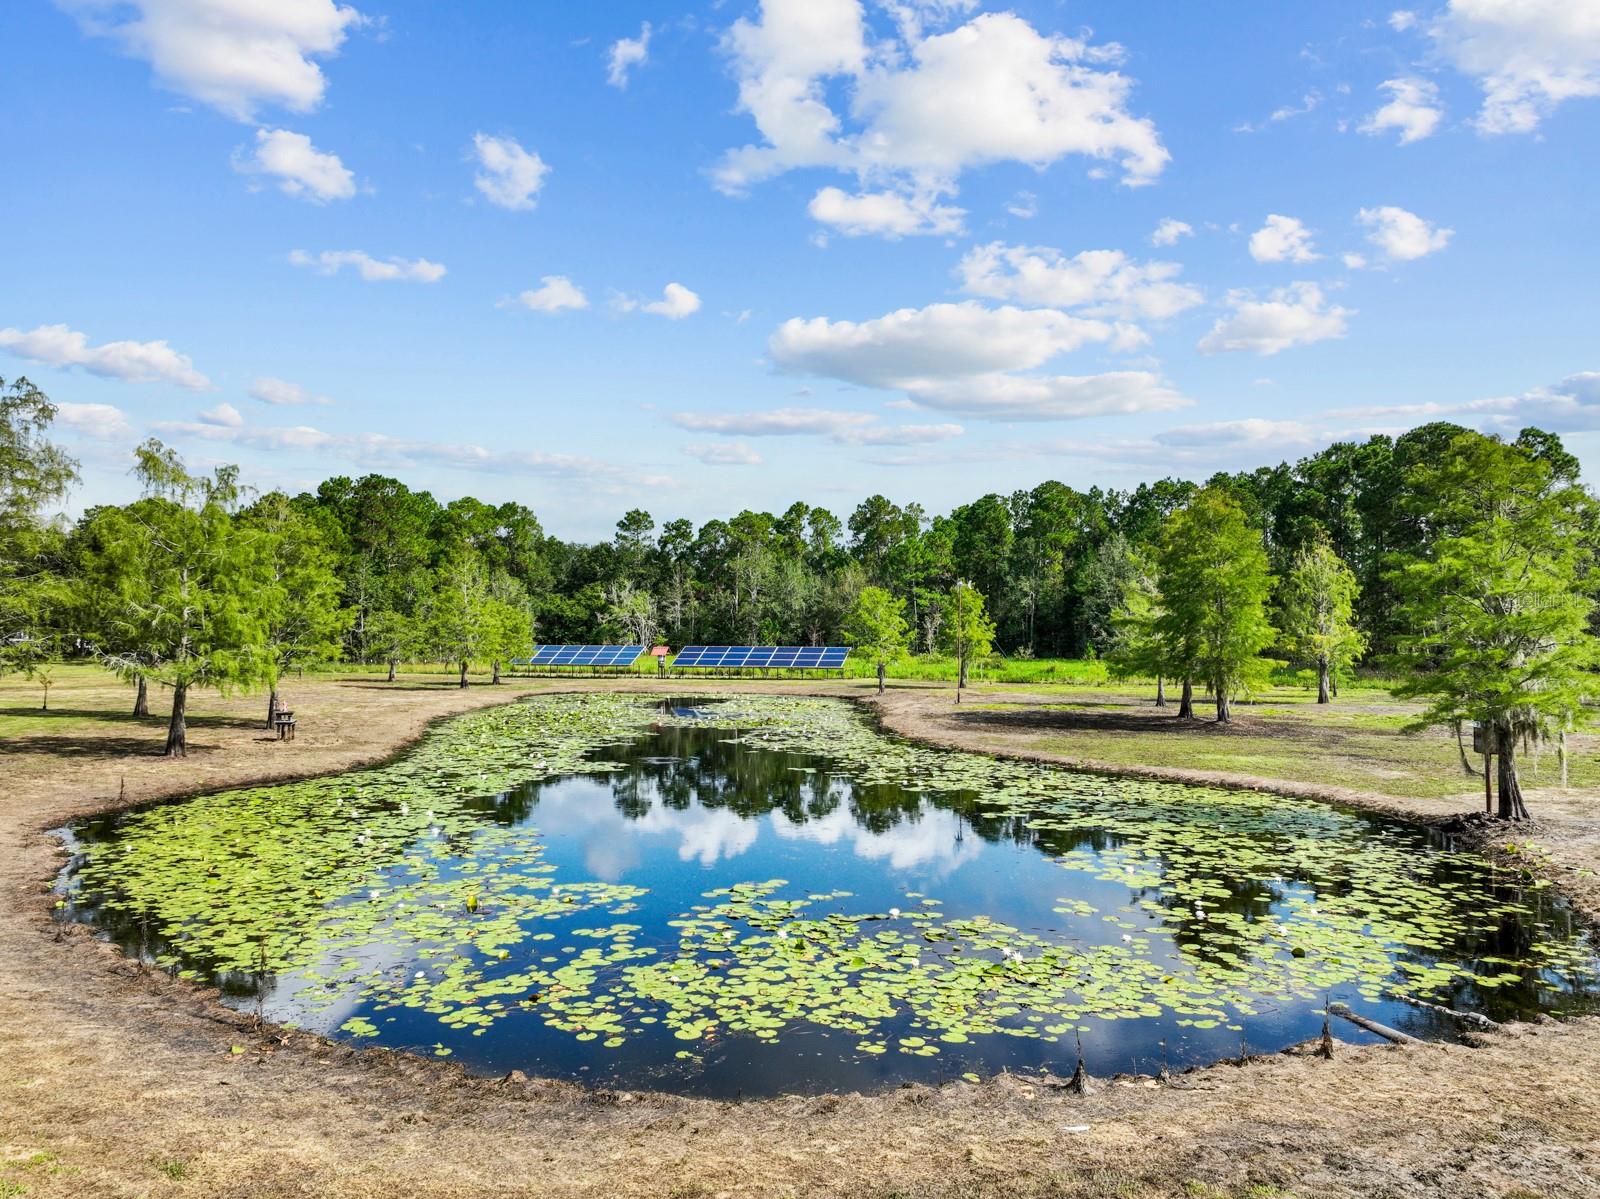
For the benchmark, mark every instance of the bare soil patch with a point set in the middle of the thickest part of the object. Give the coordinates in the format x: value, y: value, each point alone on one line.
x: 117, y: 1081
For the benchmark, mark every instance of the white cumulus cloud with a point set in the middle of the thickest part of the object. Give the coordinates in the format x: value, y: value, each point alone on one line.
x: 1170, y: 231
x: 508, y: 176
x: 373, y: 270
x: 1297, y: 315
x: 1402, y: 235
x: 234, y: 55
x: 1282, y: 239
x: 130, y: 361
x: 1102, y: 282
x: 911, y: 345
x: 102, y: 422
x: 676, y: 302
x: 302, y: 170
x: 968, y: 359
x: 627, y: 53
x: 913, y: 113
x: 886, y: 213
x: 1528, y: 56
x: 224, y: 416
x: 558, y: 294
x: 997, y: 396
x: 280, y: 392
x: 1413, y: 109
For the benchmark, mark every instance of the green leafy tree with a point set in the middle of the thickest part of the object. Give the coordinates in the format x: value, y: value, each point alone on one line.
x: 877, y: 626
x: 393, y: 637
x: 180, y: 585
x: 459, y: 615
x: 509, y: 620
x: 966, y: 629
x: 1318, y: 598
x: 33, y: 473
x: 1138, y: 649
x: 1495, y: 619
x: 1213, y: 587
x: 305, y: 621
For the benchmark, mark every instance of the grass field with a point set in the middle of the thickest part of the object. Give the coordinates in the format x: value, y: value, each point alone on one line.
x: 1360, y: 742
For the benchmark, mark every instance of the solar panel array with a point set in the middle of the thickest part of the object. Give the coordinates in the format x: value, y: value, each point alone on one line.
x: 779, y: 657
x: 584, y: 655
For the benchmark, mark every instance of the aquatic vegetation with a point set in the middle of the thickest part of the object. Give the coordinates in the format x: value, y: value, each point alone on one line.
x: 422, y: 901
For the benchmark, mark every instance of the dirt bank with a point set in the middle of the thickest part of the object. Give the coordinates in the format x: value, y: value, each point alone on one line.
x: 115, y: 1081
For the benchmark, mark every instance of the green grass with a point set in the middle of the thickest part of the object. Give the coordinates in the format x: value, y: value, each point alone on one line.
x: 1359, y: 742
x: 932, y: 668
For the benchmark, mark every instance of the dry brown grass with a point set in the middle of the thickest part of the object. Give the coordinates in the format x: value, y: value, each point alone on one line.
x: 115, y: 1081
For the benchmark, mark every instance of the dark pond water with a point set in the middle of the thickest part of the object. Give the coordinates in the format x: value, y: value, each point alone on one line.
x: 875, y: 932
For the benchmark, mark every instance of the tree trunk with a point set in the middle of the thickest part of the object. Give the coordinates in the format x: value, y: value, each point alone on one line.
x: 177, y: 731
x: 463, y: 674
x: 1511, y: 805
x: 494, y: 671
x: 1161, y: 691
x: 141, y: 698
x: 1323, y: 696
x: 961, y: 675
x: 1186, y: 701
x: 1224, y: 704
x: 272, y: 707
x: 392, y: 664
x: 1466, y: 763
x: 881, y: 673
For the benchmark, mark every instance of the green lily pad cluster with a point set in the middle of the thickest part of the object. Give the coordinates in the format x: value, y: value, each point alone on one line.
x: 394, y: 890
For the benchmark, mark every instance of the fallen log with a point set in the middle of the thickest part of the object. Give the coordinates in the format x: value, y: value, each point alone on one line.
x: 1372, y: 1026
x: 1473, y: 1018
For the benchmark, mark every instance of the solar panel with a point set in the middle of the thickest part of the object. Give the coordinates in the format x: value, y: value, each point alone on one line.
x: 744, y: 657
x: 585, y: 655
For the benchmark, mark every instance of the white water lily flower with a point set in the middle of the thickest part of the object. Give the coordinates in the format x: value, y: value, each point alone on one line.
x: 894, y: 913
x: 422, y: 974
x: 1127, y: 938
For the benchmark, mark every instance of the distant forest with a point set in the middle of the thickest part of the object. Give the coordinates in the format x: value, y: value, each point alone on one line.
x: 1052, y: 562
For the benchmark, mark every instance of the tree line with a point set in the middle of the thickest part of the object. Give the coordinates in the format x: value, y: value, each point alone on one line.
x: 1463, y: 562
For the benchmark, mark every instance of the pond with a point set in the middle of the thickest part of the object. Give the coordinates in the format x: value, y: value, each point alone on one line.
x: 764, y: 895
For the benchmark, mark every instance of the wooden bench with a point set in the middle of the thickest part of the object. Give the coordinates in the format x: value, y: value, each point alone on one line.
x: 284, y: 723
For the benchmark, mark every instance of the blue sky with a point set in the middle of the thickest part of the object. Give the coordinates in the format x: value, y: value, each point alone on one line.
x: 701, y: 258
